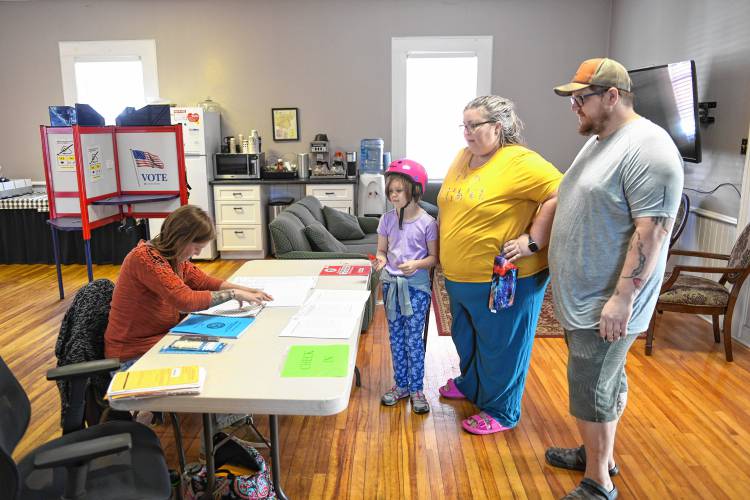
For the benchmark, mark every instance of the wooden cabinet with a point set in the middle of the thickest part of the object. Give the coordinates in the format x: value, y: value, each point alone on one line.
x: 338, y: 196
x: 240, y: 221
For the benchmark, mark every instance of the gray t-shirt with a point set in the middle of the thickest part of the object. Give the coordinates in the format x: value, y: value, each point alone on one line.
x: 635, y: 172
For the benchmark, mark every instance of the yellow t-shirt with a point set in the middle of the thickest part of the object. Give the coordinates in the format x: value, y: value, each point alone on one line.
x: 483, y: 207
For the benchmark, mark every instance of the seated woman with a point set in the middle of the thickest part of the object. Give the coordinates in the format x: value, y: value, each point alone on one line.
x: 158, y: 284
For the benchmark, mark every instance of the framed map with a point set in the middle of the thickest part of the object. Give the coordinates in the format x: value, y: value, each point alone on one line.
x: 285, y: 124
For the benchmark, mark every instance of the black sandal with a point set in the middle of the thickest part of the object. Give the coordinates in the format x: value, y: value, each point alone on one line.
x: 572, y: 459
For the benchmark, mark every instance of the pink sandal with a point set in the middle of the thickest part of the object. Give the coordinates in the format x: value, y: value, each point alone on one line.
x: 450, y: 391
x: 482, y: 423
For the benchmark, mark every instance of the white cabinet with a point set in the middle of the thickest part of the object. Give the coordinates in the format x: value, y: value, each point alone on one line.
x: 338, y: 196
x: 240, y: 221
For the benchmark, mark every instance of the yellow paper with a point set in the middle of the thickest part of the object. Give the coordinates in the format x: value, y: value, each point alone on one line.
x: 154, y: 380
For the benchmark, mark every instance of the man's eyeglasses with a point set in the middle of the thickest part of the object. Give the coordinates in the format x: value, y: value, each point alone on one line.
x: 471, y: 127
x: 578, y: 100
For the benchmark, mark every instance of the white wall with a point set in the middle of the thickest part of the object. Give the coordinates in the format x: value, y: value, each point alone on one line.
x: 329, y: 58
x: 716, y: 34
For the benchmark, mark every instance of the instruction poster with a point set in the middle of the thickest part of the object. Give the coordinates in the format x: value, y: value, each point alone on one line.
x: 94, y: 163
x: 65, y: 157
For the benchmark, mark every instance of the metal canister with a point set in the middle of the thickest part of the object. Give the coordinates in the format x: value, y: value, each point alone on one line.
x: 303, y: 165
x: 232, y: 145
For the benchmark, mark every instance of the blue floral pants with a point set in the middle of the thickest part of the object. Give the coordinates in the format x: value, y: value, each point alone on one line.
x: 407, y: 346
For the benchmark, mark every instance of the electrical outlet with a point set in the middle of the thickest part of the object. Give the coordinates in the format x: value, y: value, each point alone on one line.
x: 743, y: 146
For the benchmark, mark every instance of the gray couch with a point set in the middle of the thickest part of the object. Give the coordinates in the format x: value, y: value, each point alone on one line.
x: 295, y: 234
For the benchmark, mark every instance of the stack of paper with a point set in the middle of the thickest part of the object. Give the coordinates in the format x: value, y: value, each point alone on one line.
x: 157, y: 382
x: 233, y: 309
x: 328, y: 314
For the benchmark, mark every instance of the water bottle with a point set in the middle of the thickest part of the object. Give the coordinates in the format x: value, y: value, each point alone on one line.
x: 503, y: 285
x: 371, y: 156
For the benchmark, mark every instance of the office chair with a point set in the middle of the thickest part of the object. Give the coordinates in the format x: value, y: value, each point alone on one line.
x: 122, y: 460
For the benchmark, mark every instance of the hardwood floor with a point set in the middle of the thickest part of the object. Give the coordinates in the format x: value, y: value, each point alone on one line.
x: 685, y: 434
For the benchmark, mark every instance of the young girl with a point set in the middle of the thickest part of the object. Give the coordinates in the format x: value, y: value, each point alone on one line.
x: 407, y: 248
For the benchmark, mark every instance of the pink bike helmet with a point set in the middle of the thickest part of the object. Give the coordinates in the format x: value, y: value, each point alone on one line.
x: 410, y: 169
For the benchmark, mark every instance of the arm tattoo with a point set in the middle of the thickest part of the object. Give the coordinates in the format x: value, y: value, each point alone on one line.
x: 221, y: 296
x: 636, y: 273
x: 661, y: 221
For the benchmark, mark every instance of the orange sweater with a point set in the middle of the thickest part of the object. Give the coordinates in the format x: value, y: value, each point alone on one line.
x: 149, y: 298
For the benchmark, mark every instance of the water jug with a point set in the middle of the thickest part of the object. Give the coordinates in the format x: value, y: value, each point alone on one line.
x: 371, y: 156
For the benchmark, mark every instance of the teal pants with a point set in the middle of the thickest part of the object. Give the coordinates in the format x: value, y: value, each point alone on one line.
x: 494, y: 349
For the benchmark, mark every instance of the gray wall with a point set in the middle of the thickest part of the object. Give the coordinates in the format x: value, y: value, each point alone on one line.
x: 716, y: 35
x: 329, y: 58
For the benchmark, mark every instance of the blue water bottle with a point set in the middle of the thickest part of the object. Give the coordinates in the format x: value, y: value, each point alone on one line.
x: 371, y: 156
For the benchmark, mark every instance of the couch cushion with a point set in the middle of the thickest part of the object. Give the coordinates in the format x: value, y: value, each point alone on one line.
x: 322, y: 240
x: 288, y: 234
x: 302, y: 212
x: 342, y: 225
x: 315, y: 208
x: 366, y: 245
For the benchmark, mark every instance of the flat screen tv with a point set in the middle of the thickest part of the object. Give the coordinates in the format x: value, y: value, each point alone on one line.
x: 667, y: 95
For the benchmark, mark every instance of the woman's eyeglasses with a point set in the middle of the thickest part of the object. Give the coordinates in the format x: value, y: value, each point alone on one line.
x: 579, y: 100
x: 471, y: 127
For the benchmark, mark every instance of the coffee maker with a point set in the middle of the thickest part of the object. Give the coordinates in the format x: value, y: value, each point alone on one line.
x: 320, y: 154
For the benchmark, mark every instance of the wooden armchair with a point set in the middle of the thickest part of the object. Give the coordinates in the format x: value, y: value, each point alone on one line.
x: 680, y: 221
x: 686, y: 293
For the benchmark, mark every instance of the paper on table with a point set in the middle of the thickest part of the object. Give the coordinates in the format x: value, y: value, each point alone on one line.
x: 316, y: 361
x: 327, y: 314
x: 287, y: 291
x: 232, y: 308
x: 157, y: 382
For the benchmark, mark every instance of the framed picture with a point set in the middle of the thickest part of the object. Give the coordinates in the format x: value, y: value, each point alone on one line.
x: 285, y: 124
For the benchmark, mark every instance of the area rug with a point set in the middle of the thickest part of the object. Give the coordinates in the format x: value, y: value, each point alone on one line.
x: 547, y: 326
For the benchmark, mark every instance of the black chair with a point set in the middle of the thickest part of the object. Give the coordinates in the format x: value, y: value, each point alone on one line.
x: 122, y: 460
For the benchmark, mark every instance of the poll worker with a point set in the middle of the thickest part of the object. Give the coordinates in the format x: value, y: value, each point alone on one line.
x: 158, y: 284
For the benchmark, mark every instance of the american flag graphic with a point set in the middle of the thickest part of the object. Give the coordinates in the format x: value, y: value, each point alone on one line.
x: 146, y: 159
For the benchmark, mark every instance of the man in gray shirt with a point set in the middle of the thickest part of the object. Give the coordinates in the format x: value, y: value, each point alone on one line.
x: 607, y: 255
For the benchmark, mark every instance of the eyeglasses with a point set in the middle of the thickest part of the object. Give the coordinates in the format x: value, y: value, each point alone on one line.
x: 471, y: 127
x: 578, y: 100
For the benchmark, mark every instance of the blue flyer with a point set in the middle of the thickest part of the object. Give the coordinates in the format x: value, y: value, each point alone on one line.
x: 213, y: 326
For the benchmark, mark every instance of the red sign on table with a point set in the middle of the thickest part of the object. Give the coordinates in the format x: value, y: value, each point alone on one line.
x: 345, y: 270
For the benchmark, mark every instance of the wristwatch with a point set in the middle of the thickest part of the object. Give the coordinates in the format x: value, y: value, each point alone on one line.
x: 533, y: 246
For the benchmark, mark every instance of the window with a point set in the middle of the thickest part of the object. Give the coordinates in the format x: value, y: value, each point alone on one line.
x: 432, y: 80
x: 109, y: 75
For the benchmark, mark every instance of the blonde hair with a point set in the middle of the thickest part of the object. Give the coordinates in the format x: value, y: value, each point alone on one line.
x: 500, y: 110
x: 188, y: 224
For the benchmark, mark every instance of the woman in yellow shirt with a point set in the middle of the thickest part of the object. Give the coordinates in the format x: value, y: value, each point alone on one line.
x: 497, y: 196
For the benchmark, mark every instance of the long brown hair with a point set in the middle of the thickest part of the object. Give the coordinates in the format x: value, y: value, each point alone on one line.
x: 188, y: 224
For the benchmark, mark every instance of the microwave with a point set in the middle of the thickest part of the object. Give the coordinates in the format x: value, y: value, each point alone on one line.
x: 238, y: 165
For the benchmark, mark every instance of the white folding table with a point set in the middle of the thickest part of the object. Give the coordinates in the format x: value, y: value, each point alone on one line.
x: 246, y: 378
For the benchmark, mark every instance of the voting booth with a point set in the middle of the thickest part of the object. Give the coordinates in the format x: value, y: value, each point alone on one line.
x: 100, y: 175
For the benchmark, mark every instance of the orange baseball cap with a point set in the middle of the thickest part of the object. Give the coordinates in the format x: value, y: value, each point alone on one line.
x: 601, y: 71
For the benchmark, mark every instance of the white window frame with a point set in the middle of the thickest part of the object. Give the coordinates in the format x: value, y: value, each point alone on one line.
x: 108, y: 50
x: 431, y: 46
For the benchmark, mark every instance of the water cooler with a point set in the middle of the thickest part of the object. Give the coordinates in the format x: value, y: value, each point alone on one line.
x: 371, y: 194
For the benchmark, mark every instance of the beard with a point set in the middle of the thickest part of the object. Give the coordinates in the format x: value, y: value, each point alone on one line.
x: 588, y: 126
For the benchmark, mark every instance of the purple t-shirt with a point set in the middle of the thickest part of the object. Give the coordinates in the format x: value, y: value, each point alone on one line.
x: 409, y: 243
